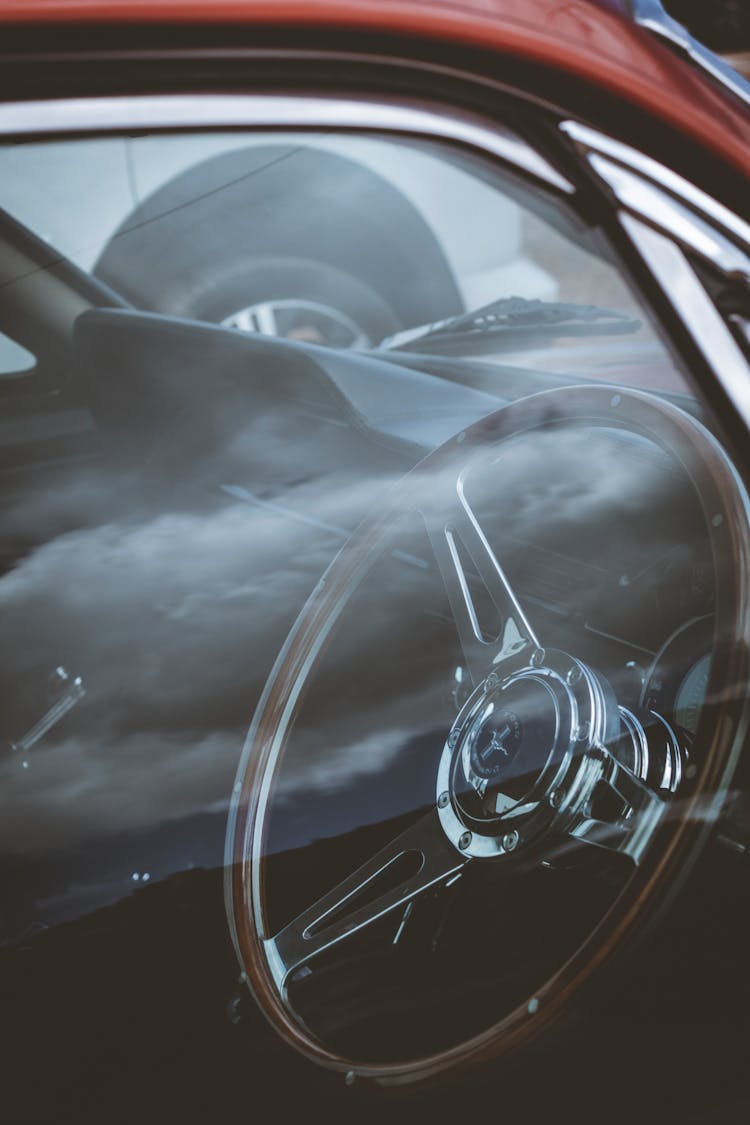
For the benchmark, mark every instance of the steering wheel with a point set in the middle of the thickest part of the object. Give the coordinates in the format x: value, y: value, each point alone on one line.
x: 546, y: 761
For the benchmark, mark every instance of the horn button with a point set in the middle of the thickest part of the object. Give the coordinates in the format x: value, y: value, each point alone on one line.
x: 519, y: 753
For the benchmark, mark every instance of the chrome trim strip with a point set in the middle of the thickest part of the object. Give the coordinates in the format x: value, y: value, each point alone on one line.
x: 217, y: 111
x: 691, y: 302
x: 662, y: 211
x: 651, y: 16
x: 742, y: 324
x: 589, y: 139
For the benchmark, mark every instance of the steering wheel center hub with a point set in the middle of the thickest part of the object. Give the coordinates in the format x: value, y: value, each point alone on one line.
x: 505, y: 745
x: 516, y: 744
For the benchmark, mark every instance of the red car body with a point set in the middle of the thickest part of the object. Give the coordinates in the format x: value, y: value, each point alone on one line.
x: 568, y: 38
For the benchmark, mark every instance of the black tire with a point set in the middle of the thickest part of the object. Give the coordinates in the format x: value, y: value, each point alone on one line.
x: 238, y: 229
x: 227, y: 289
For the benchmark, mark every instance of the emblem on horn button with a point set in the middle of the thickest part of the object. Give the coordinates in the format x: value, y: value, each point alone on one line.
x: 495, y: 746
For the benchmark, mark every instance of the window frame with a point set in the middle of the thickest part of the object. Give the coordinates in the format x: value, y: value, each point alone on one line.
x: 651, y: 238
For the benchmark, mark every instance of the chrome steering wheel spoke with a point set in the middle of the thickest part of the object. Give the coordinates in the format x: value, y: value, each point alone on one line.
x: 419, y: 859
x: 621, y: 814
x: 466, y: 562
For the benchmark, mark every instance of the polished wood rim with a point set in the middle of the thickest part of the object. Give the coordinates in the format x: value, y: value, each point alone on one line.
x: 674, y: 845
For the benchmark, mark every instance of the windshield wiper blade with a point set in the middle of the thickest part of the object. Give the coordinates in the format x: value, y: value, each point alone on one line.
x: 514, y: 317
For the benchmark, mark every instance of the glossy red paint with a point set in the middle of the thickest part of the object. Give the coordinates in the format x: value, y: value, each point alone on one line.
x: 571, y: 36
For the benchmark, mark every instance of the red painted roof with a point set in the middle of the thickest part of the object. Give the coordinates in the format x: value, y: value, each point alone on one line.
x: 569, y: 35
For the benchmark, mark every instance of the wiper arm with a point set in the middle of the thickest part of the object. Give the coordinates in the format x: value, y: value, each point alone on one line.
x: 514, y: 317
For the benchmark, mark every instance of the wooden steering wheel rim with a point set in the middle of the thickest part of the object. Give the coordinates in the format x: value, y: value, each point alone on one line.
x: 675, y: 844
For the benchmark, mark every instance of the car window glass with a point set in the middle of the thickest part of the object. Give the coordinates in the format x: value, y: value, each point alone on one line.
x: 14, y: 359
x: 344, y: 241
x: 371, y: 596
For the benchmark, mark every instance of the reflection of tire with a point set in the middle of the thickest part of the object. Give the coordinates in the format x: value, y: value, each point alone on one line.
x: 302, y: 299
x: 282, y: 222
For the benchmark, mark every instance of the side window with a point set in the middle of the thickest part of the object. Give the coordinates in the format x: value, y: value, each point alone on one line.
x: 377, y: 561
x: 340, y: 241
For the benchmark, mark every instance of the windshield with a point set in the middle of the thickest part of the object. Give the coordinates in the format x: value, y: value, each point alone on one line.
x: 351, y: 242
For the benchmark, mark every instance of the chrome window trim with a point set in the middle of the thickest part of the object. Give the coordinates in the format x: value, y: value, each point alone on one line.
x: 695, y: 308
x: 643, y: 198
x: 589, y: 141
x: 742, y: 324
x: 662, y: 213
x: 265, y: 111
